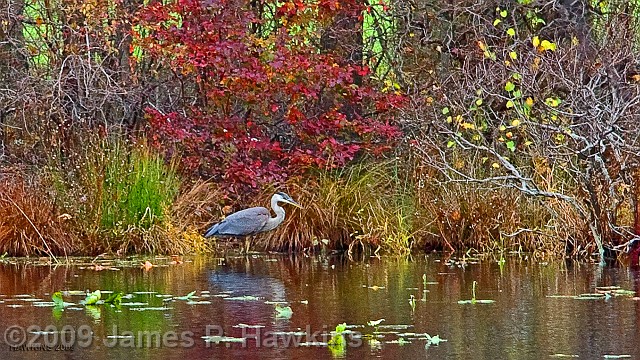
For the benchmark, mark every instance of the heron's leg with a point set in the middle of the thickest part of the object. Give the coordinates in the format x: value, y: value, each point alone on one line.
x: 247, y: 244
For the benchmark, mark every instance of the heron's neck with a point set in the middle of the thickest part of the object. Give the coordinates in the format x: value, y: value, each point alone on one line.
x: 272, y: 223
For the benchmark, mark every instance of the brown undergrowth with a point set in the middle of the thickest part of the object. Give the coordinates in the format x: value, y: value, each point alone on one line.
x: 30, y: 223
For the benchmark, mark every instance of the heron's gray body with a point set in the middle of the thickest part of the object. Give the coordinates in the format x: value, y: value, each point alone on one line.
x: 242, y: 223
x: 253, y: 220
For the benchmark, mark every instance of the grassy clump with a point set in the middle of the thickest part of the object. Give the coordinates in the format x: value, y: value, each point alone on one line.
x: 121, y: 196
x: 364, y: 206
x: 138, y: 188
x: 30, y: 223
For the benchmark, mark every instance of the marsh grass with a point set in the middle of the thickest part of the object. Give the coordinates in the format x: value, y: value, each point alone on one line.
x: 29, y: 221
x: 362, y: 207
x: 121, y: 194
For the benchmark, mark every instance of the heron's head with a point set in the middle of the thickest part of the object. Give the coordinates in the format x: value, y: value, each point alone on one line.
x: 282, y: 197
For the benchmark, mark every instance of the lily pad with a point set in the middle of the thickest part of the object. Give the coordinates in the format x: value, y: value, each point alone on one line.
x: 223, y: 339
x: 92, y: 298
x: 283, y: 311
x: 243, y: 298
x: 186, y: 297
x: 158, y: 308
x: 202, y: 302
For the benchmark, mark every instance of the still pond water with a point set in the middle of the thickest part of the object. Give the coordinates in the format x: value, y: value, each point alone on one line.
x: 537, y: 311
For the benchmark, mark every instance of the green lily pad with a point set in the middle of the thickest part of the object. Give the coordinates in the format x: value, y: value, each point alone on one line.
x: 92, y: 298
x: 186, y: 297
x: 243, y: 298
x: 223, y: 339
x: 283, y: 311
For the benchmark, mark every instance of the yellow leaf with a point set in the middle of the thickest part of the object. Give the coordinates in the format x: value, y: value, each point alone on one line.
x: 535, y: 41
x: 509, y: 104
x: 548, y: 45
x: 496, y: 22
x: 513, y: 55
x: 529, y: 102
x: 495, y: 165
x: 515, y: 122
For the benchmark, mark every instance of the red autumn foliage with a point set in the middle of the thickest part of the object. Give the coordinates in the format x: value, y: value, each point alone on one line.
x: 265, y: 101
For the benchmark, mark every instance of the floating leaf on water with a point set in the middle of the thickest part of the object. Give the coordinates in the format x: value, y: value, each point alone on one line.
x: 623, y: 292
x: 243, y: 298
x: 435, y: 339
x: 92, y: 298
x: 134, y: 304
x: 187, y: 297
x: 151, y: 309
x: 617, y: 356
x: 15, y: 305
x: 283, y: 311
x: 375, y: 323
x: 74, y: 293
x: 248, y: 326
x: 306, y: 302
x: 564, y: 356
x: 400, y: 341
x: 395, y: 326
x: 476, y: 301
x: 590, y: 296
x: 114, y: 299
x: 45, y: 304
x: 292, y: 333
x: 313, y: 343
x: 374, y: 287
x: 144, y: 292
x: 202, y: 302
x: 607, y: 288
x: 223, y: 339
x: 221, y: 295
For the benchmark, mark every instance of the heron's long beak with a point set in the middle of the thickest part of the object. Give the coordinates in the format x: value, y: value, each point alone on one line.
x: 292, y: 202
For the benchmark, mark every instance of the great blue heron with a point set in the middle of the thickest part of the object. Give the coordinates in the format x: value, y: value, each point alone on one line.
x: 252, y: 220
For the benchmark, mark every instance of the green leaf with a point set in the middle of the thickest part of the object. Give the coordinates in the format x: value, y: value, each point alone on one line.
x: 516, y: 76
x: 340, y: 328
x: 503, y: 13
x: 511, y: 32
x: 186, y: 297
x: 509, y: 104
x: 511, y: 145
x: 479, y: 102
x: 509, y: 86
x: 92, y: 298
x: 517, y: 94
x: 513, y: 55
x: 445, y: 110
x: 451, y: 144
x: 496, y: 22
x: 57, y: 299
x: 114, y: 298
x: 283, y: 311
